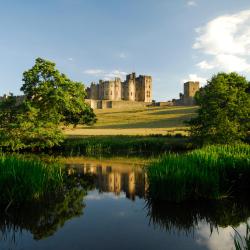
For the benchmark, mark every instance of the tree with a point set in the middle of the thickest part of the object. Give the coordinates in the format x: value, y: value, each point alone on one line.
x: 224, y: 112
x: 21, y: 127
x: 50, y: 99
x: 56, y: 95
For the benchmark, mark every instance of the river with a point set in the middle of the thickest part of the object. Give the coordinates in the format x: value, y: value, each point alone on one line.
x: 115, y: 213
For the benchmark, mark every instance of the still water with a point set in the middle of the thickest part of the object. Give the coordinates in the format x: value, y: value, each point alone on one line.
x: 113, y: 213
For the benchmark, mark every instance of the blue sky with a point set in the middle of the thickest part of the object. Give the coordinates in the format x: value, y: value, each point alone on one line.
x: 172, y: 40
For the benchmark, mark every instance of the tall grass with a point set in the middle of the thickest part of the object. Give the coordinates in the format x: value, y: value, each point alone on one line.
x: 123, y: 145
x: 213, y: 172
x: 23, y: 180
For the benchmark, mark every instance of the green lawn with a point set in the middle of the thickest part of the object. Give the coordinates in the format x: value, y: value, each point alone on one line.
x: 138, y: 121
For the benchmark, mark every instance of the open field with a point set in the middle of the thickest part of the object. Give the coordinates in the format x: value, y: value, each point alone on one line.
x: 138, y: 121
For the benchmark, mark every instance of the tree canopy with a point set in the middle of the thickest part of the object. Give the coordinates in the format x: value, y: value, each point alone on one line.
x: 56, y: 95
x: 50, y: 100
x: 224, y: 112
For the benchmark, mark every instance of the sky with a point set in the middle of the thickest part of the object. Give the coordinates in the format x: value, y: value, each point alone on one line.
x: 172, y: 40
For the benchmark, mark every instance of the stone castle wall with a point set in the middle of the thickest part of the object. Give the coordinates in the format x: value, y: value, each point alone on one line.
x: 132, y: 89
x: 106, y: 104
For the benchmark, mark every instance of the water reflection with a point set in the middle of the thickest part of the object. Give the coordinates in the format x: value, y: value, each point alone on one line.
x: 43, y: 218
x: 109, y: 201
x: 186, y: 217
x: 115, y: 178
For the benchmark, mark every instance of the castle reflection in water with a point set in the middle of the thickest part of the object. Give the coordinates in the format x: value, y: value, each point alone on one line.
x: 118, y: 178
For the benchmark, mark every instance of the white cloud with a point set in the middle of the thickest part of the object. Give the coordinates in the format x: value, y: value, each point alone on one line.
x: 195, y: 78
x: 95, y: 72
x: 227, y: 40
x: 222, y: 238
x: 70, y: 59
x: 191, y: 3
x: 105, y: 75
x: 205, y: 65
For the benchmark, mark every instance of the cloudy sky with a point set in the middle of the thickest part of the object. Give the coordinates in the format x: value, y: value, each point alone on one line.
x: 172, y: 40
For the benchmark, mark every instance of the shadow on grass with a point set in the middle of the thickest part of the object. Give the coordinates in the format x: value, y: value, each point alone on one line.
x: 190, y: 111
x: 160, y: 123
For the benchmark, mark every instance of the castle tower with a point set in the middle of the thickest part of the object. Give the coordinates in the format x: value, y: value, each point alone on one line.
x: 190, y: 88
x: 113, y: 90
x: 94, y: 90
x: 117, y: 89
x: 143, y: 89
x: 101, y: 90
x: 128, y: 88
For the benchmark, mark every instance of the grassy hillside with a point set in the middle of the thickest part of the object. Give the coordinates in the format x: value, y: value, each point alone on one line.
x: 137, y: 121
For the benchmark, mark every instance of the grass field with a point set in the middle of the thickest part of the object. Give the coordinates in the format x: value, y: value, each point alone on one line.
x: 138, y: 121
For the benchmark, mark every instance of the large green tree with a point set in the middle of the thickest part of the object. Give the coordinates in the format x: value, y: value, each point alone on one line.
x: 224, y: 112
x: 56, y: 95
x: 50, y: 100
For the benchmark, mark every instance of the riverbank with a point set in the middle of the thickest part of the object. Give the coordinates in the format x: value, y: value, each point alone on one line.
x: 26, y: 180
x: 123, y: 145
x: 213, y: 172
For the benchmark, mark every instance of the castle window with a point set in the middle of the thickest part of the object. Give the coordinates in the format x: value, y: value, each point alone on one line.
x: 111, y: 93
x: 131, y: 93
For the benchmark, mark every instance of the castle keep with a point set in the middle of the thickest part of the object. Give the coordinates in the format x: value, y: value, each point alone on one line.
x: 132, y: 89
x: 190, y: 88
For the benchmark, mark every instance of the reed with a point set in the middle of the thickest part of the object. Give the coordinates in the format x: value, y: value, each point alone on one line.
x: 122, y: 145
x: 213, y: 172
x: 23, y: 180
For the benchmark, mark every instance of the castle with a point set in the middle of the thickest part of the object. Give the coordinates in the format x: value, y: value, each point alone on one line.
x: 190, y: 88
x: 132, y: 89
x: 133, y: 92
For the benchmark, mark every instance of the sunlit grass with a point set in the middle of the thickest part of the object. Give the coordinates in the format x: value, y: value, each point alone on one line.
x: 138, y: 121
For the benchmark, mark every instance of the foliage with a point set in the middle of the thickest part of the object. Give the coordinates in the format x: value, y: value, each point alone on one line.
x: 56, y: 95
x: 224, y: 113
x: 33, y: 121
x: 21, y: 127
x: 213, y: 172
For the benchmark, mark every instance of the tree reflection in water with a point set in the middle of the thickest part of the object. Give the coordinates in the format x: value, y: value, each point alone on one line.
x: 185, y: 217
x: 42, y: 219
